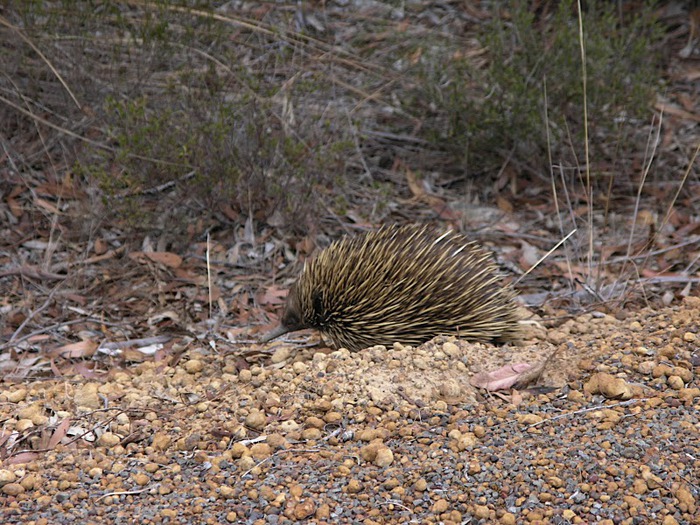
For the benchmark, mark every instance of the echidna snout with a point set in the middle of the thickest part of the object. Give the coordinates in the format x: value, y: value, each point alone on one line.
x: 292, y: 318
x: 402, y: 284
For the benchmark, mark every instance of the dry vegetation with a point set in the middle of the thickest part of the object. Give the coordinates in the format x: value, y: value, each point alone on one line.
x: 135, y: 132
x: 280, y: 113
x: 166, y: 168
x: 271, y: 127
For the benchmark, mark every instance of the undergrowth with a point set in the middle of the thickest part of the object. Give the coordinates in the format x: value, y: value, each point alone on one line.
x: 185, y: 109
x: 493, y: 111
x: 190, y: 111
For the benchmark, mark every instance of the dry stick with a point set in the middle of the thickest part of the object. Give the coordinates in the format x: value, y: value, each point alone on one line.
x: 589, y: 188
x: 55, y: 126
x: 156, y: 189
x: 684, y: 478
x: 546, y: 255
x: 209, y: 277
x: 32, y: 272
x: 551, y: 168
x: 680, y: 187
x: 279, y: 453
x: 301, y: 39
x: 127, y: 492
x: 7, y: 24
x: 671, y: 279
x: 32, y: 315
x: 45, y: 329
x: 256, y: 26
x: 396, y: 502
x: 686, y: 270
x: 660, y: 251
x: 144, y: 341
x: 673, y: 201
x: 90, y: 260
x: 585, y: 410
x: 645, y: 173
x: 358, y: 148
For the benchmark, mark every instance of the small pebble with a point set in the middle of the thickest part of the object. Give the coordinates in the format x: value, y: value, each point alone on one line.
x: 141, y: 479
x: 256, y: 419
x: 86, y: 396
x: 304, y: 509
x: 311, y: 434
x: 482, y: 512
x: 508, y: 519
x: 23, y: 424
x: 15, y: 396
x: 161, y: 441
x: 194, y: 366
x: 281, y: 355
x: 7, y: 476
x: 354, y: 486
x: 440, y: 506
x: 12, y: 489
x: 260, y: 450
x: 108, y: 439
x: 384, y: 457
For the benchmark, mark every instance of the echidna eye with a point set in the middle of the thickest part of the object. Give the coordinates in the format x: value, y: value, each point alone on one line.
x: 317, y: 301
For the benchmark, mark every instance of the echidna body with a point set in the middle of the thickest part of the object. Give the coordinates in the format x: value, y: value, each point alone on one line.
x: 402, y: 284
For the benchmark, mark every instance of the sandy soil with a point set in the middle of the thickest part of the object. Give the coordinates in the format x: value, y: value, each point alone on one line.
x: 609, y: 434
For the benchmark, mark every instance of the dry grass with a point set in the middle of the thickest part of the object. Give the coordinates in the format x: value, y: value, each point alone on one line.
x: 155, y: 120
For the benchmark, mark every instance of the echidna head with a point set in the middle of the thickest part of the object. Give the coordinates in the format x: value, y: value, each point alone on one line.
x: 293, y: 318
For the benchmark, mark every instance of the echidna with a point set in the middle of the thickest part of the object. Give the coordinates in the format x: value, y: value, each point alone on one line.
x: 402, y: 284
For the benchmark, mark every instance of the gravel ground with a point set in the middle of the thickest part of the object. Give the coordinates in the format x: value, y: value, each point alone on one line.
x: 610, y: 434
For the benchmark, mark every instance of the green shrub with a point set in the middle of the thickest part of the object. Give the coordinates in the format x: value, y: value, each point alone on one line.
x: 487, y: 113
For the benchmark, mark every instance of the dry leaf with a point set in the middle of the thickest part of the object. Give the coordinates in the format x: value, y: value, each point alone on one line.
x: 100, y: 247
x: 160, y: 317
x: 273, y: 296
x: 84, y: 348
x: 171, y: 260
x: 672, y: 109
x: 21, y: 458
x: 42, y: 203
x: 504, y: 204
x: 415, y: 185
x: 59, y: 433
x: 439, y: 205
x: 133, y: 355
x: 500, y: 379
x: 85, y: 370
x: 15, y: 208
x: 516, y: 398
